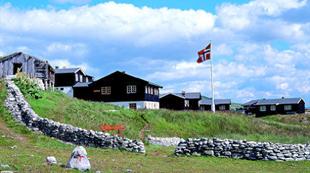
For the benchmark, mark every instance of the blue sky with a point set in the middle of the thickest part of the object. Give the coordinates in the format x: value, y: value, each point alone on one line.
x: 260, y: 48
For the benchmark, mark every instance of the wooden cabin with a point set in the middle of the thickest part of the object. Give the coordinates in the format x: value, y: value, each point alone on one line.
x: 263, y: 107
x: 30, y: 65
x: 122, y: 89
x: 220, y: 104
x: 180, y: 101
x: 67, y: 78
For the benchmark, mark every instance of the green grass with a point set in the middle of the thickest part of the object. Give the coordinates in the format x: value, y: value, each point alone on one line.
x: 25, y: 151
x: 90, y: 115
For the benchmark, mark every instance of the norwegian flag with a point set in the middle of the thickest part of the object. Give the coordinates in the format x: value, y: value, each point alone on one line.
x: 204, y: 54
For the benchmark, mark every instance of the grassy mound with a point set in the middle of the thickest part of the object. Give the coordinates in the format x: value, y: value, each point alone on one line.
x: 90, y: 115
x: 25, y: 151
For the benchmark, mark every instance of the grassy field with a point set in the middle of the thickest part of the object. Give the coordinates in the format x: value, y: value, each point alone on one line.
x: 165, y: 123
x: 25, y: 151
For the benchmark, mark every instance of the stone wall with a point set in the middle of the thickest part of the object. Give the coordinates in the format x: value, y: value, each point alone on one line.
x: 243, y: 149
x: 172, y: 141
x: 22, y: 112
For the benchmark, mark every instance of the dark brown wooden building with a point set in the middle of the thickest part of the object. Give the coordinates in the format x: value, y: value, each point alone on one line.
x: 180, y: 101
x: 122, y: 89
x: 28, y: 64
x: 67, y: 78
x: 220, y: 104
x: 263, y: 107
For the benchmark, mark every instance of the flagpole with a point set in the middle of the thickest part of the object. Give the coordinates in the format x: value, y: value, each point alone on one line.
x: 212, y: 86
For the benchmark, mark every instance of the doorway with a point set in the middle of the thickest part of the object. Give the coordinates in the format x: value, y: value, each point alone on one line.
x: 17, y: 67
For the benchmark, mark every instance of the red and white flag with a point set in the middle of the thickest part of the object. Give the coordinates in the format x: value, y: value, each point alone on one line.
x: 204, y: 54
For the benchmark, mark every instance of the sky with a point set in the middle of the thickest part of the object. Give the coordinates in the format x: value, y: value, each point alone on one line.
x: 260, y: 48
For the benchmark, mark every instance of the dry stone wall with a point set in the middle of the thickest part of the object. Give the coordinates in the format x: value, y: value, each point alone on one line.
x: 243, y: 149
x: 22, y: 112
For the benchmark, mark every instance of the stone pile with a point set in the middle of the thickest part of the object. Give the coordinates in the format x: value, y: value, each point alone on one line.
x: 22, y: 112
x: 243, y: 149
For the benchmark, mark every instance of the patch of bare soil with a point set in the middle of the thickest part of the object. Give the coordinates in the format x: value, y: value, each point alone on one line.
x: 9, y: 133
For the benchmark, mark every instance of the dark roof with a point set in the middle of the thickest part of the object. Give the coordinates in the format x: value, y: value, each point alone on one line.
x: 281, y: 101
x: 123, y: 73
x: 249, y: 103
x: 191, y: 95
x: 81, y: 84
x: 18, y: 54
x: 164, y: 95
x: 216, y: 101
x: 66, y: 70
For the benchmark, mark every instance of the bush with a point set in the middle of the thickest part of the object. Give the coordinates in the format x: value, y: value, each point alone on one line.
x: 28, y: 86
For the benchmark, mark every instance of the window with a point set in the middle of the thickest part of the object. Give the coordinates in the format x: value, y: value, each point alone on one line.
x: 76, y: 77
x: 106, y: 90
x: 273, y: 107
x: 86, y: 79
x: 81, y: 78
x: 186, y: 103
x: 132, y: 105
x: 152, y: 91
x: 287, y: 107
x: 156, y: 92
x: 262, y: 108
x: 146, y: 89
x: 149, y: 90
x: 131, y: 89
x: 222, y: 107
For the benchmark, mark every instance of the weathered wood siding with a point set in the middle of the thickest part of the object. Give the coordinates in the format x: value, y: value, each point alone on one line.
x: 26, y: 61
x: 30, y: 65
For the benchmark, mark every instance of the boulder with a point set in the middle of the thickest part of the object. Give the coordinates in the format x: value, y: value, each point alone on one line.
x: 51, y: 160
x: 79, y: 160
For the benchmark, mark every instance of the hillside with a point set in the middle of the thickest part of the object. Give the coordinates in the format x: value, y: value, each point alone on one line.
x: 165, y: 123
x: 25, y: 151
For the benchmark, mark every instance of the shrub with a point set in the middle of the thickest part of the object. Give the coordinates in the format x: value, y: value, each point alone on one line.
x: 28, y: 86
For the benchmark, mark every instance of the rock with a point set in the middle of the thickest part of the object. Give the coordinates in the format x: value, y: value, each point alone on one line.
x: 79, y: 160
x: 4, y: 166
x: 129, y: 171
x: 51, y: 160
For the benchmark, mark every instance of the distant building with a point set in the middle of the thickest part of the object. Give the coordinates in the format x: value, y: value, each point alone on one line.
x: 220, y: 104
x: 180, y: 101
x: 67, y: 78
x: 121, y: 89
x: 263, y: 107
x: 28, y: 64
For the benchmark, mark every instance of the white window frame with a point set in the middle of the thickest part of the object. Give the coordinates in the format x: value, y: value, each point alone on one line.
x: 76, y: 77
x: 186, y: 103
x: 131, y: 89
x: 273, y: 108
x: 105, y: 90
x: 146, y: 90
x: 262, y: 108
x: 222, y: 107
x: 81, y: 78
x: 287, y: 107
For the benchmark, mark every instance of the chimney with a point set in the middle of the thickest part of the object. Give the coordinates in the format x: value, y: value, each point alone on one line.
x: 183, y: 93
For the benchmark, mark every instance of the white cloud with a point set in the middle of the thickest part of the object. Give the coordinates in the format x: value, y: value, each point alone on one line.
x: 241, y: 16
x: 76, y: 49
x: 65, y: 63
x: 107, y: 21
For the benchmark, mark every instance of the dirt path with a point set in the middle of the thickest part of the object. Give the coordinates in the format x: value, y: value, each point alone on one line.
x: 9, y: 133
